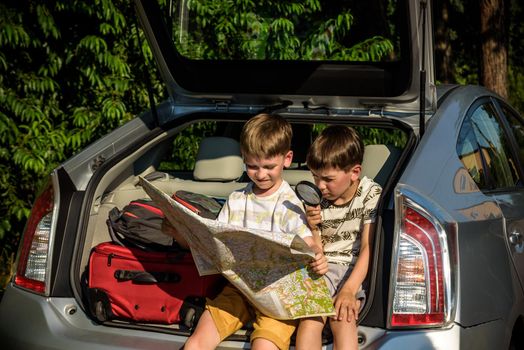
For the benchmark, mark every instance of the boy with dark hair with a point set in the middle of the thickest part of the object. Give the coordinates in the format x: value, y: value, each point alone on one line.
x: 266, y: 203
x: 345, y: 224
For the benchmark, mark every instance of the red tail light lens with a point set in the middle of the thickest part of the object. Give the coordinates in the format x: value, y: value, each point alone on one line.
x: 32, y: 262
x: 421, y: 280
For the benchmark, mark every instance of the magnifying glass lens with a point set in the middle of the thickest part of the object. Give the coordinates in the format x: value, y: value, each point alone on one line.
x: 309, y: 193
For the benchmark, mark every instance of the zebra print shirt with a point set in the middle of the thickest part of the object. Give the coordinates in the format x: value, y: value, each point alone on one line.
x: 342, y: 224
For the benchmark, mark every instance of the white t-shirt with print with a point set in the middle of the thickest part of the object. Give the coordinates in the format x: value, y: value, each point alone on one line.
x: 281, y: 211
x: 342, y: 224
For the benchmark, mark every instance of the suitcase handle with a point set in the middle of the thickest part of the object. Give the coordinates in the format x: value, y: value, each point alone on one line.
x: 144, y: 277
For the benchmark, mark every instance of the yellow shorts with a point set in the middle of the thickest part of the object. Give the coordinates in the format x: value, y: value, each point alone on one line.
x: 230, y: 311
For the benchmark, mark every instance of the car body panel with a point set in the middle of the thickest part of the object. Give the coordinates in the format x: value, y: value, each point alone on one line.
x: 28, y: 321
x: 485, y: 290
x: 511, y: 205
x: 82, y: 166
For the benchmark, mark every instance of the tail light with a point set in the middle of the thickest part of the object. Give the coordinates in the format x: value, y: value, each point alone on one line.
x: 422, y: 276
x: 32, y: 268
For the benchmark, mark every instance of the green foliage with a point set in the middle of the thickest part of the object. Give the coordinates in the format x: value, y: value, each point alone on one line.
x: 516, y: 56
x: 68, y: 74
x: 185, y: 147
x: 393, y: 137
x: 273, y: 29
x: 516, y: 87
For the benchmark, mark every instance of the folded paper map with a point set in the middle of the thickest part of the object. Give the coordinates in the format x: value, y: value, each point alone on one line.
x: 270, y: 269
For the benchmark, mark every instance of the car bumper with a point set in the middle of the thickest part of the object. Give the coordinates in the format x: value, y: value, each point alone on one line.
x: 488, y: 335
x: 374, y: 339
x: 30, y: 321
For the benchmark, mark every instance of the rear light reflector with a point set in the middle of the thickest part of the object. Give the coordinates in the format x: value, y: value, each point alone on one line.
x: 33, y: 257
x: 421, y: 281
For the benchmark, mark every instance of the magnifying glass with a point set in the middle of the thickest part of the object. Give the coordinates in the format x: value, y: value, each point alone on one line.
x: 309, y: 193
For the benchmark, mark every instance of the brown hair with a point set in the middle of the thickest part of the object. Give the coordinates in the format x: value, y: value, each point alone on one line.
x: 265, y: 136
x: 337, y: 146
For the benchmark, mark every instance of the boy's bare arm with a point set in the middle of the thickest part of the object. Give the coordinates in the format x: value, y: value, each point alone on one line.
x: 345, y: 303
x: 359, y: 273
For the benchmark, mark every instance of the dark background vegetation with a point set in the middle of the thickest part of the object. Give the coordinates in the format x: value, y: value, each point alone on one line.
x: 71, y: 71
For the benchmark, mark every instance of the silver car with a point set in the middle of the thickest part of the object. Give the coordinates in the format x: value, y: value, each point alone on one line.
x: 448, y: 263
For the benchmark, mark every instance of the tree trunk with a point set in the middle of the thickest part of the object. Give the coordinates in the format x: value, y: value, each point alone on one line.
x: 443, y: 44
x: 494, y: 64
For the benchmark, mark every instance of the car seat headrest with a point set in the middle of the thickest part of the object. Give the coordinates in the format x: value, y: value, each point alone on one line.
x: 218, y: 159
x: 379, y: 161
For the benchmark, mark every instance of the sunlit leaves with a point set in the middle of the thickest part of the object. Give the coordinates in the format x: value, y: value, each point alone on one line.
x: 68, y: 74
x: 393, y: 137
x: 12, y: 33
x: 3, y: 61
x: 372, y: 49
x: 46, y: 21
x: 93, y: 43
x: 51, y: 66
x: 270, y: 29
x: 113, y: 109
x: 39, y: 84
x: 185, y: 146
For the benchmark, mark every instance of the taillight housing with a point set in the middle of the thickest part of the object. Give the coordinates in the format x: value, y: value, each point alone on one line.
x: 33, y: 257
x: 422, y: 285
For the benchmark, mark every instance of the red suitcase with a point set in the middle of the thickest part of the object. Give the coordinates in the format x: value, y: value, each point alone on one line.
x: 147, y: 287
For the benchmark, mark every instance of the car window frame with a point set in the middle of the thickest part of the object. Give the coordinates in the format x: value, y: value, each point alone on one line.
x: 499, y: 116
x: 509, y: 132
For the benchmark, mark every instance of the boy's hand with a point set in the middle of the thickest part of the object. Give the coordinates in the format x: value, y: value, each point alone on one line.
x: 313, y: 216
x: 346, y: 306
x: 319, y: 265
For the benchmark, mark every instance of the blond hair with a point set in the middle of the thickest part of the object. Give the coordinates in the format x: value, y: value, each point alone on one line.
x: 337, y: 146
x: 265, y: 136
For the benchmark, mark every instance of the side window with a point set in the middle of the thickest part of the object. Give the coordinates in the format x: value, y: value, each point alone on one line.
x: 469, y: 153
x: 517, y: 127
x: 484, y: 150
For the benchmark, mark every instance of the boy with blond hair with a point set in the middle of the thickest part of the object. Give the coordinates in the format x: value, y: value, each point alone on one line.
x: 345, y: 221
x: 266, y: 203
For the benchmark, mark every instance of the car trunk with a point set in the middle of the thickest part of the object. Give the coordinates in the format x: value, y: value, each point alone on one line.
x: 115, y: 184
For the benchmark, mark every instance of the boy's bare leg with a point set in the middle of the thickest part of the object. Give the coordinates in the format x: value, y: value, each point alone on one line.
x: 344, y: 334
x: 263, y: 344
x: 205, y: 335
x: 309, y: 334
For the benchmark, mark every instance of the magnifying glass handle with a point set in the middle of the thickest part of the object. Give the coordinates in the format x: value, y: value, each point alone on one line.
x: 315, y: 231
x: 314, y: 218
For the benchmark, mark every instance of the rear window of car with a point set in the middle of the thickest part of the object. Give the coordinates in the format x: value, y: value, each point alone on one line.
x: 310, y: 30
